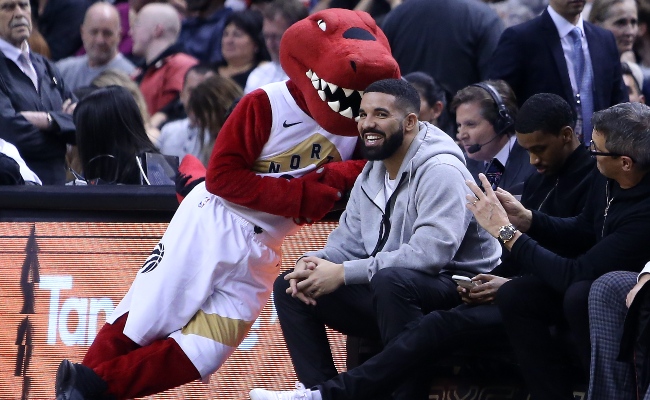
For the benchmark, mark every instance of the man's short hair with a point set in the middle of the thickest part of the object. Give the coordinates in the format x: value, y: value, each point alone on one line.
x: 546, y: 112
x: 200, y: 68
x: 406, y: 97
x: 489, y: 109
x: 427, y: 87
x: 626, y: 128
x: 291, y: 10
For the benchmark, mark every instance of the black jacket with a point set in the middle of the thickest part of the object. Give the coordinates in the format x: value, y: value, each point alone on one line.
x: 613, y: 229
x: 561, y: 195
x: 44, y: 152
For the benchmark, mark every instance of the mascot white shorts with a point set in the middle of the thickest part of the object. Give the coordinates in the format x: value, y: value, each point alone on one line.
x: 204, y: 284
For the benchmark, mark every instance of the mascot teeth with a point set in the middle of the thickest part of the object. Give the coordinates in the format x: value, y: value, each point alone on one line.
x: 347, y: 113
x: 334, y: 105
x: 337, y: 98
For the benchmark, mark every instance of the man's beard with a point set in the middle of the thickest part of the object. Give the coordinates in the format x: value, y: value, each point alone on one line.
x: 387, y: 149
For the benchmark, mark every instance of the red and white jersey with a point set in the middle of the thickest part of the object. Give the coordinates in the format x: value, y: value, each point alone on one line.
x: 296, y: 145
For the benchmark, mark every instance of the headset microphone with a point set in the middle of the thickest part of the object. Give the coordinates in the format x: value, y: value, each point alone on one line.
x: 476, y: 147
x: 504, y: 122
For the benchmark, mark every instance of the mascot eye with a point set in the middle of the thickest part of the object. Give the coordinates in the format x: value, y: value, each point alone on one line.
x: 321, y: 25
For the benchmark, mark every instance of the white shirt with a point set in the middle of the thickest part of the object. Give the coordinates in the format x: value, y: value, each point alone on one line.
x: 504, y: 153
x: 389, y: 186
x: 264, y: 74
x: 11, y: 151
x: 564, y: 27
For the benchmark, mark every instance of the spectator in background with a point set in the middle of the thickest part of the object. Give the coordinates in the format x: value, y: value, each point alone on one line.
x: 181, y: 137
x: 621, y: 18
x: 35, y: 103
x: 242, y: 46
x: 642, y: 44
x: 633, y: 78
x: 512, y: 12
x: 432, y: 97
x: 100, y: 33
x: 451, y: 40
x: 202, y: 29
x: 553, y: 53
x: 485, y: 115
x: 278, y: 16
x: 59, y: 22
x: 207, y: 109
x: 154, y: 33
x: 110, y: 134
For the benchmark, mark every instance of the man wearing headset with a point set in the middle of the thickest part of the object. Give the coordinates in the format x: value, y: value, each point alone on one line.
x: 485, y: 115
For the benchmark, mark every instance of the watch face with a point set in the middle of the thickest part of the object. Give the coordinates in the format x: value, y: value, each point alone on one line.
x: 506, y: 232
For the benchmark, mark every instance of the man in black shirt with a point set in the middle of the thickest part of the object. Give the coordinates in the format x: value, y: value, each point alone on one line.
x: 559, y: 188
x: 613, y: 228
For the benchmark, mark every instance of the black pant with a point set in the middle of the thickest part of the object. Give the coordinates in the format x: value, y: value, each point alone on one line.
x: 380, y: 310
x: 411, y: 352
x: 529, y: 307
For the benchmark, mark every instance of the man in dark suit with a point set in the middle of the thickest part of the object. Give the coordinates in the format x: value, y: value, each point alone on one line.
x: 485, y: 114
x: 35, y: 106
x: 539, y: 56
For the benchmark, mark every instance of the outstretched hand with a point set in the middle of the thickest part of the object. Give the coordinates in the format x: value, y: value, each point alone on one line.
x: 486, y: 207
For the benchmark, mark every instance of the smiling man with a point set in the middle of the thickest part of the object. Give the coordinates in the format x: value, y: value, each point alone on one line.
x: 403, y: 234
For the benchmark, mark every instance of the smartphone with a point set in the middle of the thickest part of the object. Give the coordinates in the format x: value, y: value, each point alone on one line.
x: 464, y: 281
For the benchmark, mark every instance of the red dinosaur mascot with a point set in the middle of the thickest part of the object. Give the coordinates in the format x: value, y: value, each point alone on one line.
x: 277, y: 159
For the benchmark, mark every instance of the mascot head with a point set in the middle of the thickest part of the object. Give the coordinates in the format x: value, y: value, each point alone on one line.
x: 332, y: 56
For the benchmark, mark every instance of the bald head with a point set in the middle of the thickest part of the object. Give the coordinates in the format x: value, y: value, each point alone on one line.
x: 101, y: 33
x: 162, y: 16
x: 156, y: 27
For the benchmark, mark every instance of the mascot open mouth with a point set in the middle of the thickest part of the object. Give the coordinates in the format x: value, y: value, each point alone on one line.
x: 341, y: 100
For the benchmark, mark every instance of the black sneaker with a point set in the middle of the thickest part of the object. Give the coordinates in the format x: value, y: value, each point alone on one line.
x: 78, y: 382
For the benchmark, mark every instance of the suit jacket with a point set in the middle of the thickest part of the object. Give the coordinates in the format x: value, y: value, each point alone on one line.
x: 529, y: 57
x: 44, y: 152
x: 517, y: 169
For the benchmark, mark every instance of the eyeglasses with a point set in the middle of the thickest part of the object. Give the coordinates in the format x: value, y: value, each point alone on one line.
x: 593, y: 150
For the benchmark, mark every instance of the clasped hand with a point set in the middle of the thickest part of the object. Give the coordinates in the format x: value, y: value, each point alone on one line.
x: 313, y: 277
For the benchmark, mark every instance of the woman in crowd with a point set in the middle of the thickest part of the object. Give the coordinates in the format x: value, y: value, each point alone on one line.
x: 112, y: 77
x: 621, y: 18
x: 242, y: 46
x: 207, y: 109
x: 110, y: 135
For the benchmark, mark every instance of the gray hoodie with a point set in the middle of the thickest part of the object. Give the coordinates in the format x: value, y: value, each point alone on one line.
x: 431, y: 229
